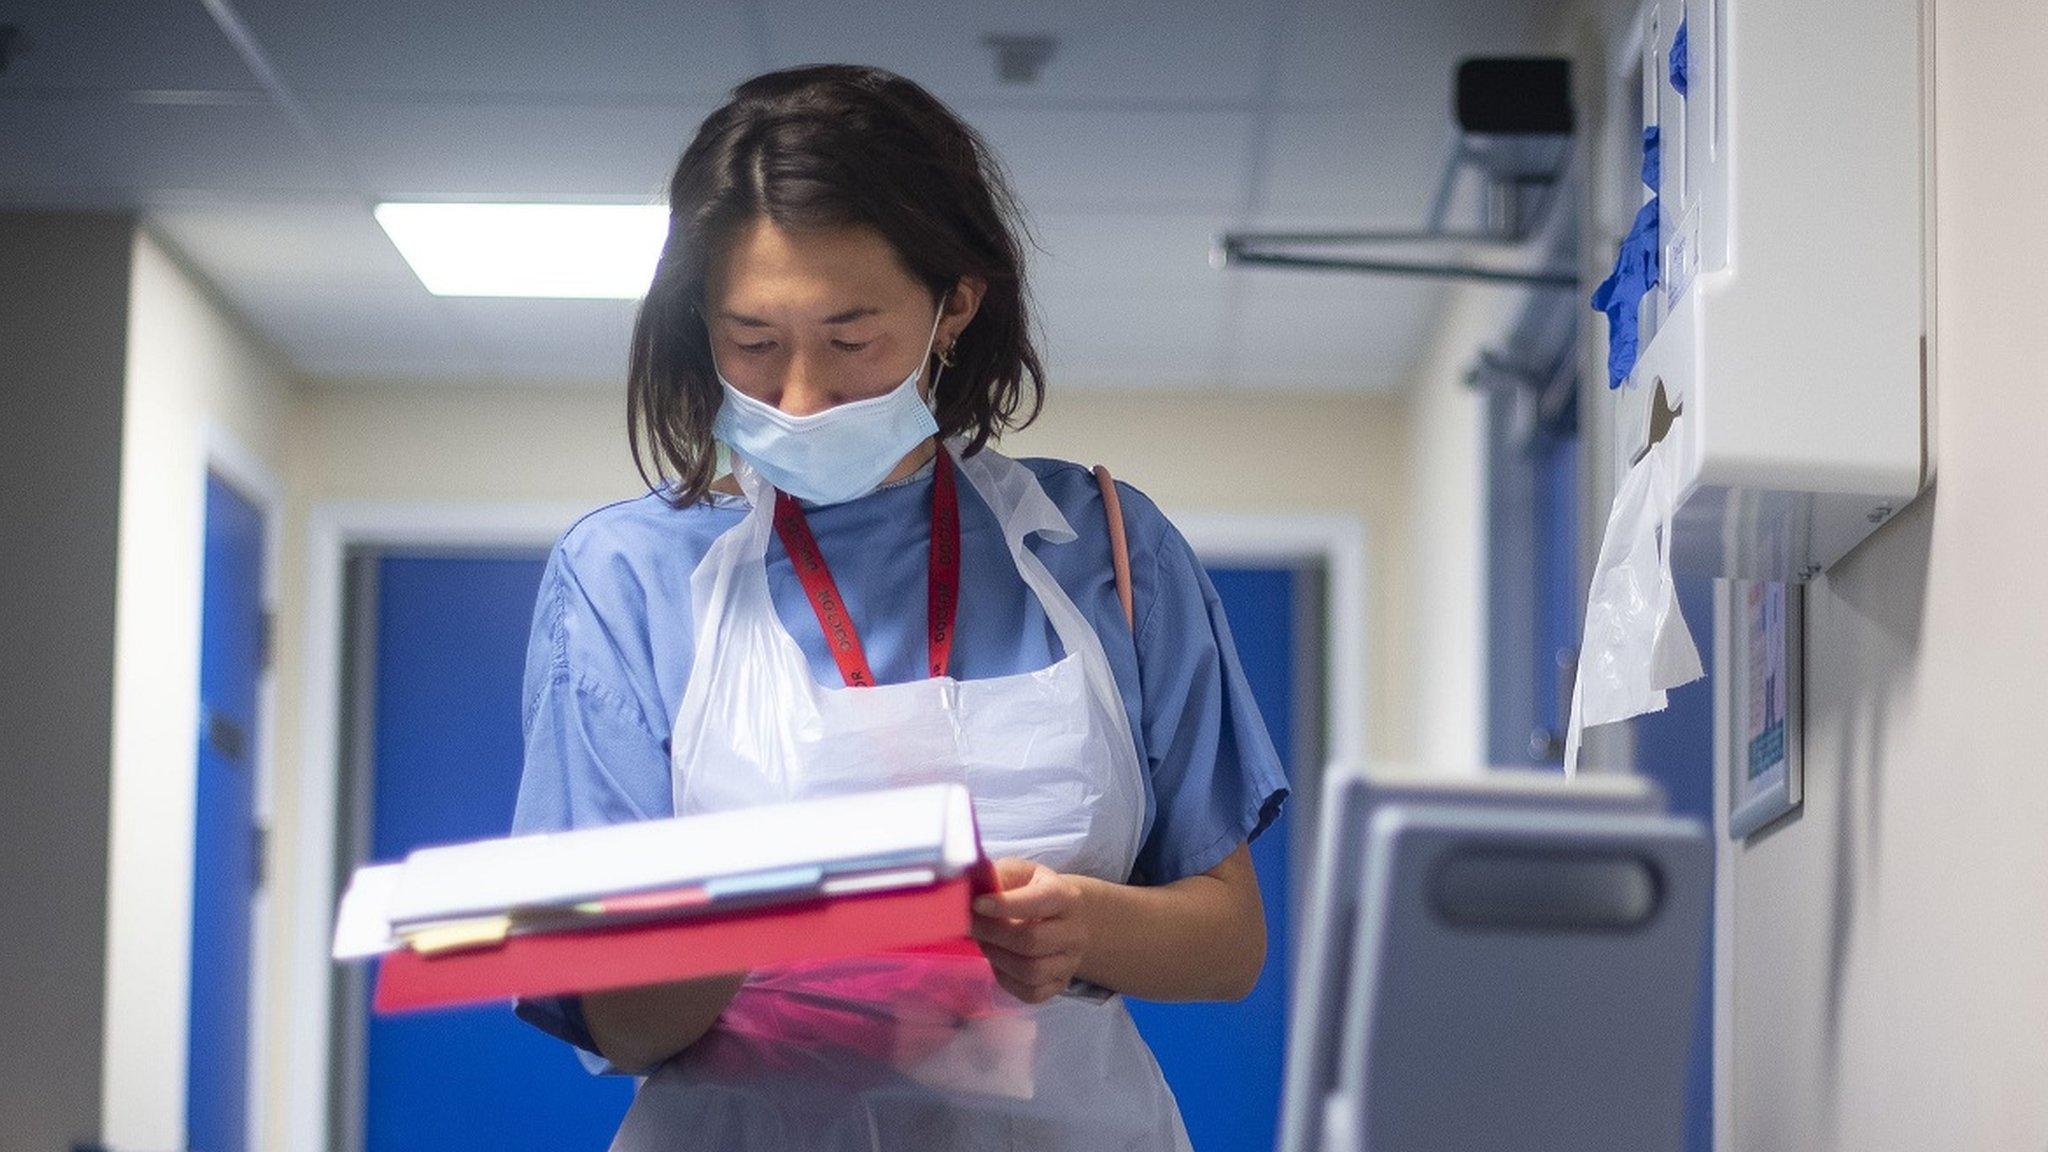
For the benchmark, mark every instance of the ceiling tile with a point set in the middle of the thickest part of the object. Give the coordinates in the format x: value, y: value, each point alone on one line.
x: 1167, y: 338
x: 1295, y: 329
x: 120, y: 45
x: 1353, y: 168
x: 1129, y: 161
x: 1123, y: 249
x: 498, y: 151
x: 646, y: 49
x: 1146, y: 51
x: 356, y: 331
x: 246, y: 150
x: 1396, y: 57
x: 551, y: 338
x: 270, y: 245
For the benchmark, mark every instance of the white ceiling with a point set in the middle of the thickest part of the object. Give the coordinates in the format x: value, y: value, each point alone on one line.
x: 1157, y: 124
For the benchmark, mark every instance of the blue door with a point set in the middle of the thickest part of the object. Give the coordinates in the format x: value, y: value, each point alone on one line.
x: 1534, y: 597
x: 1223, y: 1060
x: 226, y: 855
x: 446, y: 751
x: 1675, y: 748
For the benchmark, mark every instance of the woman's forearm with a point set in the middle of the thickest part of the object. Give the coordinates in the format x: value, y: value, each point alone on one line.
x: 1199, y: 938
x: 637, y: 1028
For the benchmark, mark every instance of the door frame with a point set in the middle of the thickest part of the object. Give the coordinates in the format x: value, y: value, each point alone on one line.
x: 332, y: 531
x: 1336, y: 542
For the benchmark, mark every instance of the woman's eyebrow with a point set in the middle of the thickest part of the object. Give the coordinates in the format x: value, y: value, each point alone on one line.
x: 846, y: 317
x: 852, y: 314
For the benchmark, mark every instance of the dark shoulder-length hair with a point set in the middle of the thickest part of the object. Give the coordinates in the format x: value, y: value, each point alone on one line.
x: 828, y: 146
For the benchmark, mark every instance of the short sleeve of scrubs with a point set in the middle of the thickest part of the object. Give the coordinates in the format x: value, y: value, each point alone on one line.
x: 592, y: 757
x: 1217, y: 780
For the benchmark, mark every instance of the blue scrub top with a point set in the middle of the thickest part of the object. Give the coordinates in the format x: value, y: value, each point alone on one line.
x: 613, y: 637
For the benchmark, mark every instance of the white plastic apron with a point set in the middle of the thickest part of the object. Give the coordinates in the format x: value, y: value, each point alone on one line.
x: 912, y: 1051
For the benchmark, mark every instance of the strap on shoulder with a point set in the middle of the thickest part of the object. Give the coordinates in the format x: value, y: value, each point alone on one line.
x: 1119, y: 550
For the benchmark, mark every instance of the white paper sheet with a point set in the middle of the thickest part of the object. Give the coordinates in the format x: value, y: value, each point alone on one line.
x: 361, y: 928
x: 926, y: 826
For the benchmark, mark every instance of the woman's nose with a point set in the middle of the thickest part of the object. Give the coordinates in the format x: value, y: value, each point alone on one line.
x: 805, y: 389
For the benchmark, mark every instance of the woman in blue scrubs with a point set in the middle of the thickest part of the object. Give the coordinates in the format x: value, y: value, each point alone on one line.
x: 836, y: 334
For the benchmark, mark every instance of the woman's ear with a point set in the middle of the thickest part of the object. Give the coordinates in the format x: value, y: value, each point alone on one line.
x: 960, y: 306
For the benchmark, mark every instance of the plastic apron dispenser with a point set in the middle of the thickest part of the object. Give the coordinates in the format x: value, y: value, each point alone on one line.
x: 1766, y: 320
x: 916, y: 1049
x: 1780, y: 267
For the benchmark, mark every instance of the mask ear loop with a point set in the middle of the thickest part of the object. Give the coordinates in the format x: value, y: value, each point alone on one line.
x: 945, y: 356
x: 932, y: 401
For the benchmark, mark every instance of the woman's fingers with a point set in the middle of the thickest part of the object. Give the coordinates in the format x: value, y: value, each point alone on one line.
x: 1032, y: 979
x: 1039, y: 893
x: 1028, y: 937
x: 1030, y: 971
x: 1014, y: 871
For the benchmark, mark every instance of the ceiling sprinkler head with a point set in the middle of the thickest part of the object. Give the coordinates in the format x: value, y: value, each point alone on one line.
x: 1020, y: 58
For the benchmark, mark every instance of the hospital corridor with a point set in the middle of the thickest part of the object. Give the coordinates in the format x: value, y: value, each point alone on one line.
x: 1204, y: 576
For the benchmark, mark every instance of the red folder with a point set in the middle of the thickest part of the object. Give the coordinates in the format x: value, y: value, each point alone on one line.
x: 594, y: 959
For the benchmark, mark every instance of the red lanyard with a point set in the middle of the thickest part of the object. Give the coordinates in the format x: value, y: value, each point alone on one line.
x: 942, y: 591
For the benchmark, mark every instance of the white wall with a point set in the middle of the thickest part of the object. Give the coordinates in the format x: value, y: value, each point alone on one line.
x: 1447, y: 565
x: 194, y: 379
x: 1891, y: 941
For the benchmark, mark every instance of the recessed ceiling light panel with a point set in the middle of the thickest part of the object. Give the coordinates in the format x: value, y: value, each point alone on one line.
x: 572, y: 251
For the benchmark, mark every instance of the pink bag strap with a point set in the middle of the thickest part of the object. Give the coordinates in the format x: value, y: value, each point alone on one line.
x: 1119, y: 551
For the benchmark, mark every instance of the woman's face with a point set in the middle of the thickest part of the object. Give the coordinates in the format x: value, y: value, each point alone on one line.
x: 809, y: 320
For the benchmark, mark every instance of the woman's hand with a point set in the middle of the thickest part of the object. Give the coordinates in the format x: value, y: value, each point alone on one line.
x: 638, y: 1028
x: 1032, y: 929
x: 1201, y: 937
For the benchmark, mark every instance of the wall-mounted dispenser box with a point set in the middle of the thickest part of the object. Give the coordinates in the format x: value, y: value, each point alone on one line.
x: 1784, y: 357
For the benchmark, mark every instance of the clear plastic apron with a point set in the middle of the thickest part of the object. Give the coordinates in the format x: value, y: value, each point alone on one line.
x: 910, y: 1050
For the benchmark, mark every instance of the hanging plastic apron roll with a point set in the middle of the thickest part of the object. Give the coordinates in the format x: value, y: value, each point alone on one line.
x: 911, y: 1050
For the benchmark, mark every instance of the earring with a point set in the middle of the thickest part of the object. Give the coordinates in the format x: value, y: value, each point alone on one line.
x: 946, y: 355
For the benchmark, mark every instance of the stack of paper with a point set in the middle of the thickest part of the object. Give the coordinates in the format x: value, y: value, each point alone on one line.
x: 667, y: 899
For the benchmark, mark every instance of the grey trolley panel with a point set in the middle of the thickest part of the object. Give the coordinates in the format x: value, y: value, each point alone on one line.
x: 1500, y: 962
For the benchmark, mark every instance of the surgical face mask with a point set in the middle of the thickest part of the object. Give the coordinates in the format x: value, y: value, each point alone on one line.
x: 832, y: 456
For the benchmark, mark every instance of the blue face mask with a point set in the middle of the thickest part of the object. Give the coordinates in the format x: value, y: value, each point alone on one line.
x: 832, y: 456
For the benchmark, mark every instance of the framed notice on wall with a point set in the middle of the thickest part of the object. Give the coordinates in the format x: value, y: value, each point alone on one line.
x: 1766, y: 673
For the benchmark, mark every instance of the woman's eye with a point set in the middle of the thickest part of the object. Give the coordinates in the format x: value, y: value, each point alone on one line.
x: 761, y: 347
x: 843, y: 346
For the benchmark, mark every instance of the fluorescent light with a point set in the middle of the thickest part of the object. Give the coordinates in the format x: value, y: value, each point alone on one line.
x: 584, y: 251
